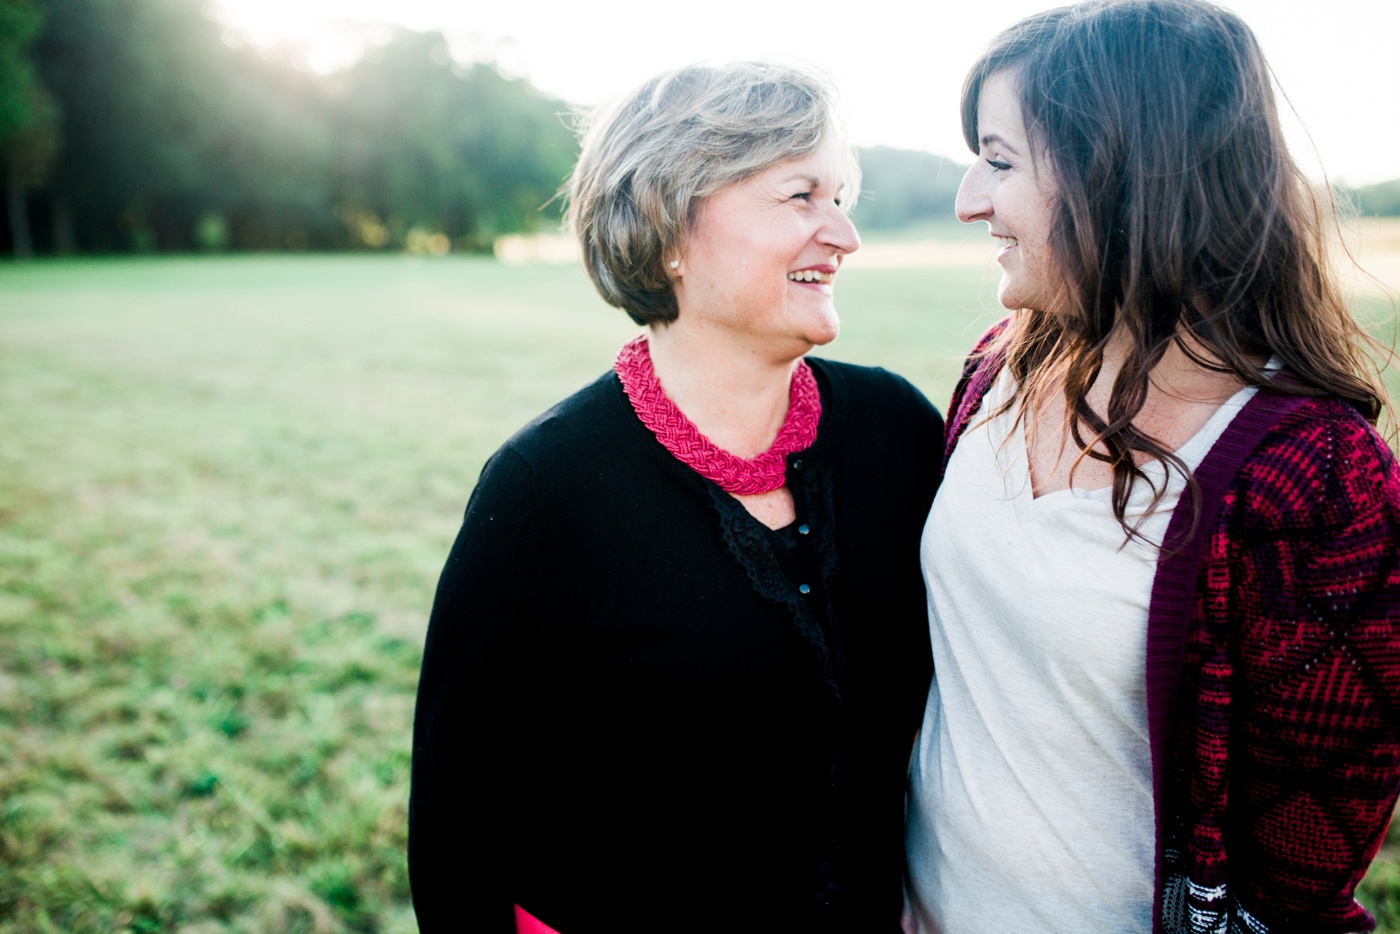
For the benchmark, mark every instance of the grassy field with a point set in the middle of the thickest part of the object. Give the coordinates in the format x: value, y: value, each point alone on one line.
x: 226, y: 489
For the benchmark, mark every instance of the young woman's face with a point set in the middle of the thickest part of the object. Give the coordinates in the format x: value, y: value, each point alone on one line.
x: 1016, y: 196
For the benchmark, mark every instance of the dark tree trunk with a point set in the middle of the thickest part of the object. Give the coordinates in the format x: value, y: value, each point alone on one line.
x: 17, y: 210
x: 64, y: 242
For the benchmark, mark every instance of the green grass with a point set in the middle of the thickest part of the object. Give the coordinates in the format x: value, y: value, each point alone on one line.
x: 226, y: 489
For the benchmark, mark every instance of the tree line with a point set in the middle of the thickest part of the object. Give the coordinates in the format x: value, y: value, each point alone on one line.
x: 133, y: 126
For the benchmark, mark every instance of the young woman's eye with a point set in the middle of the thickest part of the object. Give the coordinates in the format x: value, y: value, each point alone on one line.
x: 998, y: 166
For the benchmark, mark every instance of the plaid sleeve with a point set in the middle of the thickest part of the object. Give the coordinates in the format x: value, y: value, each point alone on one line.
x: 1314, y: 757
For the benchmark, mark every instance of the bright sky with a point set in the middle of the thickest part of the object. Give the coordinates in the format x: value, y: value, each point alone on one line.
x: 899, y: 71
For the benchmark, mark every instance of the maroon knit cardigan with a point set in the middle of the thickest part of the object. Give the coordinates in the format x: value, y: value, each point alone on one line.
x: 1273, y: 668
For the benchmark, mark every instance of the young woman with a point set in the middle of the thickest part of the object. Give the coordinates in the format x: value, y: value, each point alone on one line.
x: 1162, y: 567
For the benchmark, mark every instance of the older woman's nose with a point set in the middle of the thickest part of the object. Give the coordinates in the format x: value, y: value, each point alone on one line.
x: 973, y: 203
x: 839, y: 233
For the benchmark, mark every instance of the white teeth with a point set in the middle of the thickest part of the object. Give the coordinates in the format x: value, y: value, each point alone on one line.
x: 1004, y: 241
x: 810, y: 275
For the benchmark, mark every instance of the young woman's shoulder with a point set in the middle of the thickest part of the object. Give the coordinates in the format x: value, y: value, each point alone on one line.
x: 1322, y: 464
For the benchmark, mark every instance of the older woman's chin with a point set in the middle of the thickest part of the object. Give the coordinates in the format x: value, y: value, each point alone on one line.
x: 825, y: 329
x: 827, y: 335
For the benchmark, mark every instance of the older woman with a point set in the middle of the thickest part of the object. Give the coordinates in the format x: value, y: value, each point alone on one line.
x: 678, y: 652
x: 1164, y: 566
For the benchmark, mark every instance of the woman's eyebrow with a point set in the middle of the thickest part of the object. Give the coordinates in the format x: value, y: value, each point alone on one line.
x: 994, y: 138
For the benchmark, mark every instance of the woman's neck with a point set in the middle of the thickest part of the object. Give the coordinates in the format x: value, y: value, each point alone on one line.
x: 1175, y: 379
x: 734, y: 393
x: 1181, y: 397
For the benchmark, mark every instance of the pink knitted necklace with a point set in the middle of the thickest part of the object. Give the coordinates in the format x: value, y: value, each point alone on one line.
x: 679, y: 435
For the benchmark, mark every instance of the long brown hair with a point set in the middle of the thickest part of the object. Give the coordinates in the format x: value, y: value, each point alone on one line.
x: 1182, y: 217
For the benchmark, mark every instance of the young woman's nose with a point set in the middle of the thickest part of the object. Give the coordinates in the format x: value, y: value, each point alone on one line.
x: 974, y: 203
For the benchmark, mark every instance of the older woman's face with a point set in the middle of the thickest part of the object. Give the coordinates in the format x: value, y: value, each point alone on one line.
x: 1015, y: 196
x: 763, y: 253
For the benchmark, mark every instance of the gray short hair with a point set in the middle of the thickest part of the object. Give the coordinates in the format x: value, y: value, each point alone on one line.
x: 651, y: 159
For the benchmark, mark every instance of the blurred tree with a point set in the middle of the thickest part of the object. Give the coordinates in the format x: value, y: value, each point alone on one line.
x: 174, y: 138
x: 28, y: 118
x: 434, y: 146
x: 281, y: 158
x: 902, y: 187
x: 146, y: 111
x: 1380, y: 200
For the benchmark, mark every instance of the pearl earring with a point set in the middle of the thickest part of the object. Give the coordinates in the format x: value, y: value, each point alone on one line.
x: 675, y: 264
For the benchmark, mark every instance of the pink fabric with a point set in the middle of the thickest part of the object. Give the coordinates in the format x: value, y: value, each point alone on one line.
x: 679, y: 435
x: 526, y: 923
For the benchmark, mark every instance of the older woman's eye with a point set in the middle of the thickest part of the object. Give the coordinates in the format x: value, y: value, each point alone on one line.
x: 803, y: 196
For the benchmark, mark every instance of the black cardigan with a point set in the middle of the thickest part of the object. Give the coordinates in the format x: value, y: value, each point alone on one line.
x: 640, y: 711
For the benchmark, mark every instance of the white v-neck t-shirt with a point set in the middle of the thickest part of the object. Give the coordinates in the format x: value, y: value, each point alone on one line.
x: 1030, y: 801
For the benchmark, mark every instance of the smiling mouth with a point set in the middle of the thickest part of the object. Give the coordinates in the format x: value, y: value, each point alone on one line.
x: 811, y: 275
x: 1004, y: 241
